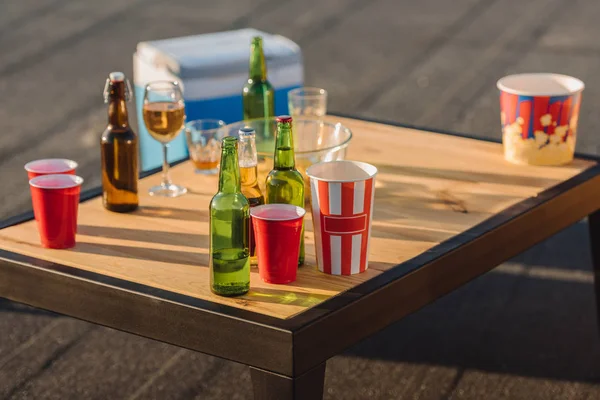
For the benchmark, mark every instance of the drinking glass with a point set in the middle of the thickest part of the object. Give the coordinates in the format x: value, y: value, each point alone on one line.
x: 307, y: 102
x: 164, y: 115
x: 203, y: 143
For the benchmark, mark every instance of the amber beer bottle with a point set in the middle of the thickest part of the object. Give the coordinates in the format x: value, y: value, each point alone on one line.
x: 258, y: 96
x: 119, y: 149
x: 248, y: 159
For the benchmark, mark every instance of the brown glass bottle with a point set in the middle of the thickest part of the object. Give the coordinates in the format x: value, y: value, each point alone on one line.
x: 119, y: 149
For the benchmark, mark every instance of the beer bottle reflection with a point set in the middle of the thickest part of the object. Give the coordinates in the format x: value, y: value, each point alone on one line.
x: 119, y: 149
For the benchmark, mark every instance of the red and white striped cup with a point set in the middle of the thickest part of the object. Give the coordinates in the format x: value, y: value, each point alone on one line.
x: 342, y: 195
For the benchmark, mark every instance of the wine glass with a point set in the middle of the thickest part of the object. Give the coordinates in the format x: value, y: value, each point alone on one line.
x: 164, y: 116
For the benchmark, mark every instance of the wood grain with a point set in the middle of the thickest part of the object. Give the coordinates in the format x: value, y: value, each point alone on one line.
x: 430, y: 187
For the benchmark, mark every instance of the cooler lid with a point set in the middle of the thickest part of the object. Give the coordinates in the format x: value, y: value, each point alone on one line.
x: 216, y: 54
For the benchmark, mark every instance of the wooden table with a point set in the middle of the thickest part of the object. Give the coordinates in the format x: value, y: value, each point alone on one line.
x: 447, y: 209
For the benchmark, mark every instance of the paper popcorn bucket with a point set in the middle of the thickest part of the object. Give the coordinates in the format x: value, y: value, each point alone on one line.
x: 539, y: 114
x: 342, y: 195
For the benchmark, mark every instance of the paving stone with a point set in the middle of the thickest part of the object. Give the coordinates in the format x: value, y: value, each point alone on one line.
x: 43, y: 348
x: 106, y: 364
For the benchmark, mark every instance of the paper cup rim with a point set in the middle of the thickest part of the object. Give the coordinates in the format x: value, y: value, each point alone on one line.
x: 299, y: 211
x: 373, y: 171
x: 69, y: 181
x: 507, y: 84
x: 69, y: 165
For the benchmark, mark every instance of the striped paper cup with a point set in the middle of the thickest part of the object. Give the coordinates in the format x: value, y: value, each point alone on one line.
x: 342, y: 195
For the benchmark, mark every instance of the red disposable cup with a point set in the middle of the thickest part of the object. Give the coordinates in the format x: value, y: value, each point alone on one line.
x: 277, y: 229
x: 50, y: 166
x: 55, y: 202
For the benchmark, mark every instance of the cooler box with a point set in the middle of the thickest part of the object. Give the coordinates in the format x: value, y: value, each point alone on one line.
x: 212, y: 69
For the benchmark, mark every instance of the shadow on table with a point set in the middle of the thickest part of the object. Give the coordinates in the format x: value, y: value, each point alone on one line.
x: 139, y: 235
x: 173, y: 213
x: 534, y: 316
x: 209, y: 192
x: 466, y: 176
x: 381, y: 229
x: 445, y: 211
x: 421, y: 195
x: 144, y: 253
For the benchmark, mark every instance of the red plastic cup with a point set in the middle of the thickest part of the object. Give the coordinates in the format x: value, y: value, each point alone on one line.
x: 277, y: 229
x: 55, y: 202
x: 50, y: 166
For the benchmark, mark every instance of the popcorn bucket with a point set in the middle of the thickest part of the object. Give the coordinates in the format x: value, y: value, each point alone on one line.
x: 539, y: 114
x: 342, y: 195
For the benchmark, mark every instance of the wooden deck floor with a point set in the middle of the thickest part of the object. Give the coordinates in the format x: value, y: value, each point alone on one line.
x: 525, y: 331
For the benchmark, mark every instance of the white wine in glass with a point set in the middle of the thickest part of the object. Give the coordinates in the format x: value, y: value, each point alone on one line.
x: 164, y: 116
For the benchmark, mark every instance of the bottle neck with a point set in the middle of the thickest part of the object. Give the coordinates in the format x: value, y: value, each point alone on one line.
x: 247, y: 151
x: 284, y: 147
x: 258, y: 66
x: 117, y: 106
x: 229, y: 173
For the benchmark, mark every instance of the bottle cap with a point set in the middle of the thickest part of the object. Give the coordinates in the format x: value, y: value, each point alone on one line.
x: 286, y: 119
x: 246, y: 131
x: 116, y: 77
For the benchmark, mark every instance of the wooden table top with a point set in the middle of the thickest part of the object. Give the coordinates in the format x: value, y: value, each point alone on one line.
x: 430, y: 187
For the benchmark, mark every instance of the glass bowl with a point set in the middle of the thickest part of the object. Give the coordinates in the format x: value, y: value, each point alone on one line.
x: 314, y: 141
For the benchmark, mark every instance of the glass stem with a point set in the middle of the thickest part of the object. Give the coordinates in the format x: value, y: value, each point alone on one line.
x: 166, y: 181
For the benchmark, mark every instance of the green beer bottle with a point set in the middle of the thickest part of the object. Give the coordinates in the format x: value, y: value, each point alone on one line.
x: 284, y: 183
x: 258, y: 96
x: 229, y: 260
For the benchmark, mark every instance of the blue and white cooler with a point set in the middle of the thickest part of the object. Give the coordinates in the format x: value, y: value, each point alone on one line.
x: 212, y: 69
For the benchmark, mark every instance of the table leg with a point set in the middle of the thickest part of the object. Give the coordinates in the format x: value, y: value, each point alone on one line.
x: 270, y: 386
x: 594, y: 227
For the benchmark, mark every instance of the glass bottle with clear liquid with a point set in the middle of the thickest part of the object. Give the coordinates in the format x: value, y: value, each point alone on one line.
x: 249, y: 174
x: 229, y: 260
x: 284, y: 183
